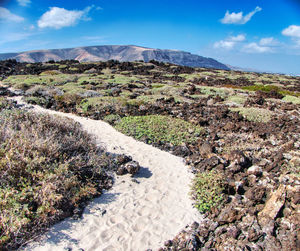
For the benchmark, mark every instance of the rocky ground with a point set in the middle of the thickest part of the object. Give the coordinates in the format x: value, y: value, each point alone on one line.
x: 250, y: 140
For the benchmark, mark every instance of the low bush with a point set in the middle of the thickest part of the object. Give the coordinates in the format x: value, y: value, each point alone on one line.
x: 112, y: 118
x: 263, y: 88
x: 207, y: 190
x: 53, y: 72
x: 270, y: 88
x: 254, y: 114
x: 159, y: 129
x: 292, y: 99
x: 48, y: 167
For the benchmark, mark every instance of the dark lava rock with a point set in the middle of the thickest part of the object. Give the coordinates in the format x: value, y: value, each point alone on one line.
x: 121, y: 170
x: 233, y: 232
x: 122, y: 159
x: 135, y: 181
x: 168, y: 243
x: 5, y: 92
x: 205, y: 149
x: 229, y: 215
x: 78, y: 211
x: 115, y: 92
x: 132, y: 167
x: 255, y: 194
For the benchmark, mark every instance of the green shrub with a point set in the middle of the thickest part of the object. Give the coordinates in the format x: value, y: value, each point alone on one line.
x: 62, y: 66
x: 73, y: 69
x: 112, y: 118
x: 263, y: 88
x: 207, y: 190
x: 292, y: 99
x: 269, y: 88
x: 238, y: 99
x: 254, y: 114
x: 159, y: 129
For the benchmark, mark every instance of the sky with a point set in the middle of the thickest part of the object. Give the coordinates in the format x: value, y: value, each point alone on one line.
x: 257, y: 34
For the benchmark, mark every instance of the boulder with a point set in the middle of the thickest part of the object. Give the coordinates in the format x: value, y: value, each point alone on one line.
x: 273, y: 205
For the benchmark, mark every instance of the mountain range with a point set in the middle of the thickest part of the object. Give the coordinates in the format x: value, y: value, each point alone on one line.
x: 115, y: 52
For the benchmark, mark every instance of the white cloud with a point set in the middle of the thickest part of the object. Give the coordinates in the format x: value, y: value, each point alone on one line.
x: 269, y: 41
x: 256, y: 48
x: 238, y: 38
x: 24, y: 2
x: 58, y: 18
x: 238, y: 18
x: 292, y: 31
x: 223, y: 44
x: 6, y: 15
x: 230, y: 42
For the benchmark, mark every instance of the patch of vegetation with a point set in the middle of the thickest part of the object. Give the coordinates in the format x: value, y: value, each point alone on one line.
x: 121, y: 79
x: 50, y: 73
x: 214, y: 91
x: 292, y: 99
x: 269, y: 88
x: 238, y: 99
x: 73, y: 69
x: 264, y: 88
x: 159, y: 129
x: 207, y: 190
x: 31, y: 80
x: 254, y: 114
x: 62, y: 66
x: 35, y: 100
x: 112, y: 118
x: 48, y: 166
x: 73, y: 88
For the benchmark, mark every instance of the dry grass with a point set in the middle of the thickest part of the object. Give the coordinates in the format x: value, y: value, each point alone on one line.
x: 48, y: 166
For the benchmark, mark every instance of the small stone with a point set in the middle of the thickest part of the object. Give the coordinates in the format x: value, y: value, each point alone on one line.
x: 255, y: 193
x: 121, y: 170
x: 122, y: 159
x: 228, y: 215
x: 255, y: 170
x: 77, y: 213
x: 205, y: 149
x: 168, y: 243
x: 234, y: 232
x: 210, y: 102
x: 195, y: 225
x: 135, y: 181
x: 132, y: 167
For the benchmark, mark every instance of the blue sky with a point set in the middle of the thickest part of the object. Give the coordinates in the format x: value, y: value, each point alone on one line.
x: 258, y: 34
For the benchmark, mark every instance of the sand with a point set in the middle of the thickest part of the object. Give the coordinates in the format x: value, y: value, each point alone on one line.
x: 130, y: 216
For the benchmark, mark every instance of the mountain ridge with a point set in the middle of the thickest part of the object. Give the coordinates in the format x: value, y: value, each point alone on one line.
x: 115, y: 52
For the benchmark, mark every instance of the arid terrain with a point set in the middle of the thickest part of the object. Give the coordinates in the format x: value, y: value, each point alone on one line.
x: 237, y: 131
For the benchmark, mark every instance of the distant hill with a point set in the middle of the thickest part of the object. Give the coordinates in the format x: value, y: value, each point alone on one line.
x: 116, y: 52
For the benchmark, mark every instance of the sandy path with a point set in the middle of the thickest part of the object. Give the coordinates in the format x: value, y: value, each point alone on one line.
x: 138, y: 216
